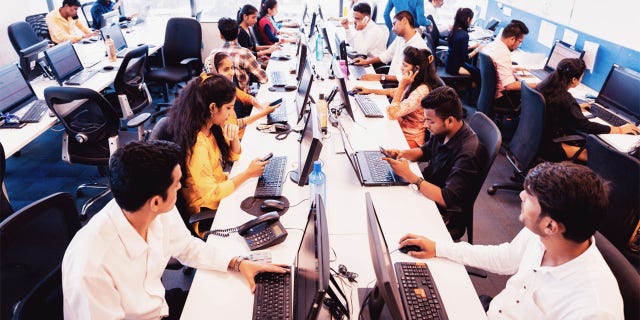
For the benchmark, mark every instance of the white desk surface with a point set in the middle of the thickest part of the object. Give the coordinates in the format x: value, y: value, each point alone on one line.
x: 400, y: 211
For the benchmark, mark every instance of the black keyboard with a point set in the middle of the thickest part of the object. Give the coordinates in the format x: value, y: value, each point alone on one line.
x: 272, y: 178
x: 279, y: 115
x: 368, y: 106
x: 378, y: 168
x: 35, y: 112
x: 419, y: 293
x: 278, y: 79
x: 272, y: 299
x: 607, y: 116
x: 82, y: 77
x: 540, y: 73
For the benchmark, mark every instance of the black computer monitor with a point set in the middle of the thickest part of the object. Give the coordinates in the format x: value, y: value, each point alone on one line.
x: 116, y: 35
x: 561, y: 51
x: 302, y: 59
x: 342, y: 88
x: 30, y: 59
x: 320, y: 12
x: 15, y: 91
x: 310, y: 147
x: 64, y: 61
x: 312, y: 26
x: 327, y: 42
x: 386, y: 291
x: 620, y: 91
x: 304, y: 88
x: 312, y: 264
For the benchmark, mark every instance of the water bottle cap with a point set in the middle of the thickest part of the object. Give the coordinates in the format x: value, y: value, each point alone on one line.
x: 317, y: 167
x: 321, y: 96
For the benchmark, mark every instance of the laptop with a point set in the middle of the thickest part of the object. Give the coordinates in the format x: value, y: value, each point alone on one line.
x: 618, y: 101
x: 371, y: 170
x: 17, y: 94
x: 559, y: 51
x: 142, y: 14
x: 66, y: 66
x: 110, y: 18
x: 119, y: 41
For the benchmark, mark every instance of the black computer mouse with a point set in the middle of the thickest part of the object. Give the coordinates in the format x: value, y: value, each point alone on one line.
x: 107, y: 68
x: 408, y: 248
x: 272, y: 205
x: 290, y: 87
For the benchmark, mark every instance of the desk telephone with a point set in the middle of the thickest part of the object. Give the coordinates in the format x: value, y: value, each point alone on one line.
x: 262, y: 232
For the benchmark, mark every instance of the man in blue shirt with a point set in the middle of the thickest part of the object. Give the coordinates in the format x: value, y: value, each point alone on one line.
x: 415, y: 7
x: 101, y: 7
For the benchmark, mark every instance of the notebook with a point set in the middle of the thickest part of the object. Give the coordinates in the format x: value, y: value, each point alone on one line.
x: 559, y: 51
x: 17, y: 94
x: 66, y: 65
x: 369, y: 166
x: 119, y: 41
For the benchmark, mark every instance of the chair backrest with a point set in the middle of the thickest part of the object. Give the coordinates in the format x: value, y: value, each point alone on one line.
x: 625, y: 273
x: 182, y: 40
x: 88, y: 127
x: 22, y: 36
x: 45, y: 301
x: 374, y: 12
x: 32, y: 243
x: 622, y: 170
x: 5, y: 206
x: 435, y: 33
x: 524, y: 144
x: 86, y: 12
x: 161, y: 130
x: 488, y: 84
x: 492, y: 24
x: 38, y: 23
x: 129, y: 80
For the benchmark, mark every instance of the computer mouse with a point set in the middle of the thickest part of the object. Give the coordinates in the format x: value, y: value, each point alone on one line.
x: 408, y: 248
x: 86, y: 41
x: 290, y: 87
x: 280, y: 127
x: 272, y: 205
x: 107, y: 68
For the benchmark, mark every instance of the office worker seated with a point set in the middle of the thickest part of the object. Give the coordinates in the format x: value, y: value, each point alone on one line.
x: 418, y: 78
x: 247, y: 18
x: 414, y: 7
x: 222, y: 65
x: 456, y: 158
x: 557, y: 271
x: 267, y: 27
x: 208, y: 141
x: 101, y: 7
x: 244, y: 61
x: 433, y: 8
x: 460, y: 52
x: 508, y: 87
x: 64, y: 25
x: 564, y: 115
x: 113, y: 265
x: 363, y: 35
x: 407, y: 36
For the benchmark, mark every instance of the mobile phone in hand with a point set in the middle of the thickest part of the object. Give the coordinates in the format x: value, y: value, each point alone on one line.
x: 275, y: 103
x: 385, y: 153
x: 267, y: 157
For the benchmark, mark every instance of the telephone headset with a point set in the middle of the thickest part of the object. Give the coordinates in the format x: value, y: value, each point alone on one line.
x: 345, y: 273
x: 46, y: 71
x: 262, y: 232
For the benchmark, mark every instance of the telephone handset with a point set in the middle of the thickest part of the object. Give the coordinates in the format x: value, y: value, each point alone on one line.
x: 262, y: 232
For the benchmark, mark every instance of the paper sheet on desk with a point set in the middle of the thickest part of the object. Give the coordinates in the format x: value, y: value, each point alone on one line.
x: 622, y: 142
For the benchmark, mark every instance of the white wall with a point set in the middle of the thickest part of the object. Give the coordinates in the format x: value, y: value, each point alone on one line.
x: 13, y: 11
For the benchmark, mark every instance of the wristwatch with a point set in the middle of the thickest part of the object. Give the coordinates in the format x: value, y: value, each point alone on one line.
x: 416, y: 185
x: 239, y: 259
x: 383, y: 78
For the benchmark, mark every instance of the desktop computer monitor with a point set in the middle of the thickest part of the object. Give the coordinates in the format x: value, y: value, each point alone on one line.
x: 620, y: 91
x: 342, y: 89
x: 302, y: 59
x: 312, y: 264
x: 312, y: 26
x: 310, y: 147
x: 304, y: 88
x: 64, y: 61
x: 110, y: 18
x: 386, y: 291
x: 327, y: 42
x: 32, y: 58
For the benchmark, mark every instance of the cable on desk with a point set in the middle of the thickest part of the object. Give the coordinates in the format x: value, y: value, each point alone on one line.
x: 301, y: 201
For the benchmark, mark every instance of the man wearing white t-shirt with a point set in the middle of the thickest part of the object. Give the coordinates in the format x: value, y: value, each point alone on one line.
x: 365, y: 36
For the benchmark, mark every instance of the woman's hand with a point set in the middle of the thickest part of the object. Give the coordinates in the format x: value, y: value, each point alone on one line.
x: 256, y: 167
x: 230, y: 131
x: 361, y: 90
x: 407, y: 79
x: 249, y: 269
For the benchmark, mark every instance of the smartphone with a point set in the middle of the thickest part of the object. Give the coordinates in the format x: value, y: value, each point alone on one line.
x: 275, y: 103
x: 385, y: 153
x: 365, y: 20
x: 267, y: 157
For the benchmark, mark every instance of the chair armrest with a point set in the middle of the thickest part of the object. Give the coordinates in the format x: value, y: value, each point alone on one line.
x: 189, y: 61
x: 570, y: 138
x: 472, y: 271
x: 205, y: 214
x: 29, y: 49
x: 138, y: 120
x: 383, y: 69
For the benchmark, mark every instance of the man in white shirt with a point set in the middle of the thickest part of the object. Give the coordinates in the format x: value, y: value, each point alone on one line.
x: 432, y: 9
x: 366, y: 37
x: 558, y: 273
x: 407, y: 36
x: 113, y: 265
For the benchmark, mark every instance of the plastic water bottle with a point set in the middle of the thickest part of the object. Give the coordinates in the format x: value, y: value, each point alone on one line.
x: 317, y: 183
x: 319, y: 48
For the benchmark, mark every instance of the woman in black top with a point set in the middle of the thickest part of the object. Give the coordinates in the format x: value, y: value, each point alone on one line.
x: 458, y: 56
x: 247, y: 18
x: 564, y: 115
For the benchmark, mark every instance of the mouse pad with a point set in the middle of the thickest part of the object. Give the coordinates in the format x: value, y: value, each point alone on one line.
x: 251, y: 205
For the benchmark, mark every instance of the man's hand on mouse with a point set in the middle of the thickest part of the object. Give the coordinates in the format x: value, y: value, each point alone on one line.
x: 627, y: 128
x: 427, y: 246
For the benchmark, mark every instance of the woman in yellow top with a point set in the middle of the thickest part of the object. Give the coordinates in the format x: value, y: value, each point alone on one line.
x: 199, y: 120
x: 418, y: 78
x: 221, y: 63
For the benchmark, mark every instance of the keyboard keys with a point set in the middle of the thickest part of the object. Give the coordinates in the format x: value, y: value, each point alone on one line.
x: 272, y: 178
x: 419, y: 293
x: 607, y: 116
x: 379, y: 169
x: 279, y: 115
x: 35, y: 112
x: 272, y: 299
x: 368, y: 106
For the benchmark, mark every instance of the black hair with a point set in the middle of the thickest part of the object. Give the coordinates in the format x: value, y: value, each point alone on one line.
x: 444, y: 101
x: 266, y: 5
x: 228, y: 29
x: 141, y: 170
x: 71, y: 3
x: 248, y: 10
x: 557, y: 82
x: 515, y: 28
x: 423, y: 59
x: 217, y: 59
x: 571, y: 194
x: 461, y: 20
x: 362, y: 7
x: 405, y: 15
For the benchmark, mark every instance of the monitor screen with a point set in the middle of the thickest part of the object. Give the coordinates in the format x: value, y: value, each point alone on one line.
x: 342, y: 88
x: 116, y: 35
x: 304, y: 88
x: 310, y: 147
x: 14, y: 89
x: 110, y: 18
x: 386, y: 282
x: 312, y: 264
x: 63, y: 61
x: 327, y: 42
x: 302, y: 59
x: 31, y: 57
x: 620, y: 91
x: 561, y: 51
x: 312, y: 26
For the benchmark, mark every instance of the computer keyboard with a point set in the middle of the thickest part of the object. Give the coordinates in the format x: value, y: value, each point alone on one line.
x: 272, y: 178
x: 278, y: 79
x: 279, y: 115
x: 35, y: 112
x: 81, y: 77
x: 357, y: 71
x: 607, y: 116
x: 419, y: 292
x: 368, y: 106
x: 272, y: 299
x: 378, y: 168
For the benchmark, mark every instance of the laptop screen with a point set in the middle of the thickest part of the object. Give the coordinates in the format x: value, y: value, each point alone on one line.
x: 110, y: 18
x: 620, y: 91
x: 14, y: 89
x: 116, y: 35
x: 561, y: 51
x: 63, y: 61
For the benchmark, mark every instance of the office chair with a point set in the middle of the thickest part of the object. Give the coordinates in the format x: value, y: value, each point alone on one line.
x: 374, y: 11
x: 32, y: 243
x: 622, y: 170
x: 487, y: 97
x: 131, y: 92
x: 625, y: 273
x: 44, y: 301
x: 86, y: 12
x: 181, y: 56
x: 459, y: 82
x: 523, y: 147
x: 38, y: 23
x: 91, y: 131
x: 490, y: 137
x: 22, y: 36
x: 5, y: 205
x: 435, y: 33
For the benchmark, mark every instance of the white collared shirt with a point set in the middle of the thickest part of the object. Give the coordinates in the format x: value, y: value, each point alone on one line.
x: 501, y: 56
x: 583, y: 288
x: 110, y: 272
x: 371, y: 40
x: 395, y: 52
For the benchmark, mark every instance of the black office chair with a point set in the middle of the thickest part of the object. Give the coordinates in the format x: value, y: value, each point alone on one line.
x: 181, y: 56
x: 523, y: 147
x: 625, y: 273
x: 374, y: 12
x: 91, y: 131
x: 5, y: 205
x: 435, y: 34
x: 32, y: 243
x: 38, y: 23
x: 622, y: 170
x: 487, y: 97
x: 22, y: 36
x: 86, y: 12
x: 459, y: 82
x: 490, y: 137
x: 44, y: 301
